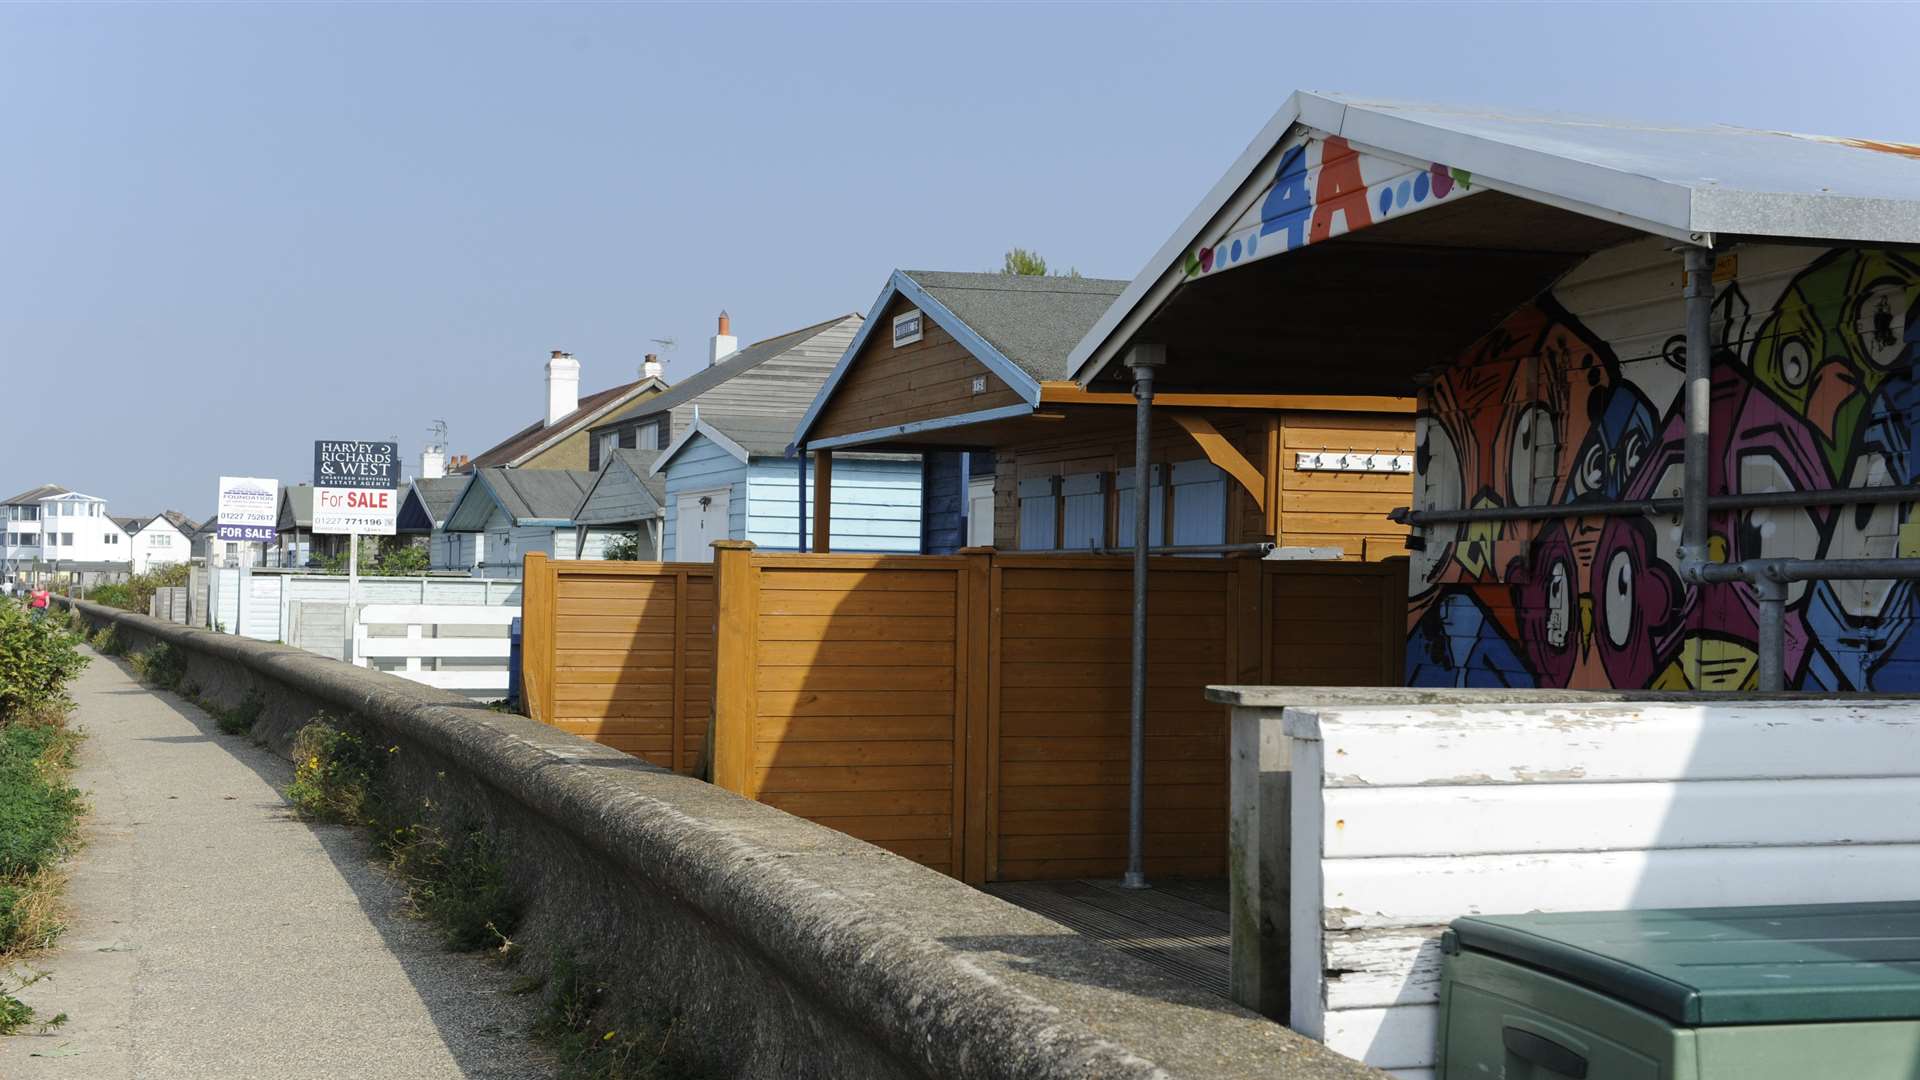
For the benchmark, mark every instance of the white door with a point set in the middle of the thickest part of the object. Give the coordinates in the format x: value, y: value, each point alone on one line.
x: 980, y: 511
x: 701, y: 518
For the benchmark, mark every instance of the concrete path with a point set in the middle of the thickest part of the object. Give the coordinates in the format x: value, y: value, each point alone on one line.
x: 213, y: 935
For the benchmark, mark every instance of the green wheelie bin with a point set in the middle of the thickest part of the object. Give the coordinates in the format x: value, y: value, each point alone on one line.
x: 1743, y: 993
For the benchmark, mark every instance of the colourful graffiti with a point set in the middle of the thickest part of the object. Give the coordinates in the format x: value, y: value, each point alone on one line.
x: 1813, y: 387
x: 1323, y: 188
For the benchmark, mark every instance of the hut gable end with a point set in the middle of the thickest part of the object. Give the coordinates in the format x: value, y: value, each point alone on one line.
x: 927, y: 379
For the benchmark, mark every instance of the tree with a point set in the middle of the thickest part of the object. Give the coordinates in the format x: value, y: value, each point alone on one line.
x: 1020, y: 262
x: 624, y: 547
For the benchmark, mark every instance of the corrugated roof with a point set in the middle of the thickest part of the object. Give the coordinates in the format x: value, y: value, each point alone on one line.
x: 738, y: 364
x: 538, y: 433
x: 1707, y: 185
x: 34, y: 494
x: 1033, y: 321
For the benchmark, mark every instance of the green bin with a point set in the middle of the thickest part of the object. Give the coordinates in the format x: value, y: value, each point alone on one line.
x: 1753, y: 993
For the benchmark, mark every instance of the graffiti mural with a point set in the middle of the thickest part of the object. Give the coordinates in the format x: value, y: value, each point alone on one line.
x: 1813, y: 387
x: 1323, y: 187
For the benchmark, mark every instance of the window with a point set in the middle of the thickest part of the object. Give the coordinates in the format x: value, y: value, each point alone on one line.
x: 162, y: 539
x: 1156, y: 507
x: 112, y: 539
x: 1199, y: 504
x: 1039, y: 500
x: 650, y: 437
x: 66, y: 539
x: 608, y: 444
x: 1084, y: 516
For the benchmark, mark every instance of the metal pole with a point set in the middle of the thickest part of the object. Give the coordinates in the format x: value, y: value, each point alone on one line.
x: 353, y: 587
x: 1143, y: 360
x: 801, y: 512
x: 1772, y: 643
x: 1699, y: 405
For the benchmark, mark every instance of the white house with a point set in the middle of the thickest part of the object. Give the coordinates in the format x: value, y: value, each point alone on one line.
x: 167, y: 537
x: 52, y: 528
x: 213, y: 551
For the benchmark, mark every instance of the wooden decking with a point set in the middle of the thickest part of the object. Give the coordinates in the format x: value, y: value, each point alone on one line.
x: 1178, y: 926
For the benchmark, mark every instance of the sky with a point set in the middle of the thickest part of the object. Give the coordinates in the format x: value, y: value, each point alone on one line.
x: 228, y: 230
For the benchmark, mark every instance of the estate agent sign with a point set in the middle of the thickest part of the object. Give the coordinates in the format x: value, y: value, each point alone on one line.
x: 354, y: 487
x: 249, y: 509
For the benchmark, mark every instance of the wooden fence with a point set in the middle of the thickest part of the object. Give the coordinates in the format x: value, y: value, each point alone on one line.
x: 622, y: 653
x: 970, y: 711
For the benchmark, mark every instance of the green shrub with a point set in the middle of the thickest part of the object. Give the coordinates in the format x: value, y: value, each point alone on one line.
x: 163, y: 665
x: 622, y: 548
x: 37, y: 660
x: 16, y: 1015
x: 37, y: 805
x: 112, y: 595
x: 333, y: 775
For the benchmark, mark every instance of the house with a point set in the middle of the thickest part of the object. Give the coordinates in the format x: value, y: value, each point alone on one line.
x: 166, y: 537
x: 297, y: 545
x: 1557, y: 290
x: 730, y: 478
x: 208, y: 549
x: 510, y: 512
x: 776, y: 377
x: 627, y: 497
x: 423, y: 513
x: 558, y: 440
x: 49, y: 527
x: 970, y: 370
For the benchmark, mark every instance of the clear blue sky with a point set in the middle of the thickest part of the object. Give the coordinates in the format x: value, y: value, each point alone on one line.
x: 229, y: 230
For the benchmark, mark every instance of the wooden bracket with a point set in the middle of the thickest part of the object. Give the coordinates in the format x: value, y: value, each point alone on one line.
x: 1221, y: 451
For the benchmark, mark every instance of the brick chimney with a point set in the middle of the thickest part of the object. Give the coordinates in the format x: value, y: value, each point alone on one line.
x: 652, y: 368
x: 563, y: 386
x: 724, y: 344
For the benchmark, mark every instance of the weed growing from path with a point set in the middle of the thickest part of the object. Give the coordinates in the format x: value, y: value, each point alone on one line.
x: 107, y: 641
x: 163, y: 665
x: 332, y: 775
x: 16, y: 1015
x: 591, y: 1045
x: 240, y: 719
x: 458, y: 884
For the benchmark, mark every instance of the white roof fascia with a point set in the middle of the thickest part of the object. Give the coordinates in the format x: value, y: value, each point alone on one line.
x: 1227, y: 200
x: 698, y: 427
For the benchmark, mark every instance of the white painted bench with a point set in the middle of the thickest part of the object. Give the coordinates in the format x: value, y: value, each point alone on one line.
x: 1406, y: 817
x: 416, y: 646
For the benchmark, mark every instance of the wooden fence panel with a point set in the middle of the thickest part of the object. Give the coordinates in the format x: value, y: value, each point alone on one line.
x: 1061, y: 743
x: 1335, y: 623
x: 621, y: 653
x: 844, y: 693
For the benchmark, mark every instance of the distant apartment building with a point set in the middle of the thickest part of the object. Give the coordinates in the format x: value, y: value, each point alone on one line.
x: 51, y: 528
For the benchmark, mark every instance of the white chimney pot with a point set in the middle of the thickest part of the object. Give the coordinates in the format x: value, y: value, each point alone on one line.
x: 652, y: 368
x: 723, y: 344
x: 433, y: 463
x: 563, y: 386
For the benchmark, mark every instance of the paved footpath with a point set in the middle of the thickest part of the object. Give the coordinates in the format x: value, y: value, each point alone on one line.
x: 213, y: 935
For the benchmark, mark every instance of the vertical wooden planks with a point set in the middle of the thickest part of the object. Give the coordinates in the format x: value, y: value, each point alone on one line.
x: 536, y: 637
x: 977, y: 626
x: 735, y: 697
x: 678, y: 751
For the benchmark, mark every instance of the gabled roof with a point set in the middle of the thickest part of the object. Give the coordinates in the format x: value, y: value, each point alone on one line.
x: 1710, y: 185
x: 653, y: 488
x: 539, y: 435
x: 740, y: 363
x: 529, y: 497
x: 1020, y: 327
x: 296, y: 507
x: 744, y: 437
x: 181, y: 522
x: 35, y: 494
x: 437, y: 496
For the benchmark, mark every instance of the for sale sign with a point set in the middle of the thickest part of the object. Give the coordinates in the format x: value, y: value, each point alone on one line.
x: 355, y: 486
x: 249, y: 508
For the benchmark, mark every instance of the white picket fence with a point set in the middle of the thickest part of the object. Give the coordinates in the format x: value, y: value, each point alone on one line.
x: 441, y: 635
x: 1404, y: 818
x: 312, y: 611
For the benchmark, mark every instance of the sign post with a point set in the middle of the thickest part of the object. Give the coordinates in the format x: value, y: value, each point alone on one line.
x: 249, y: 509
x: 354, y: 486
